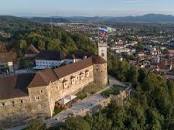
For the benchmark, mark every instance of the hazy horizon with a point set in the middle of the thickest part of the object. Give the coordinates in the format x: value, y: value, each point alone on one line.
x: 59, y: 16
x: 89, y: 8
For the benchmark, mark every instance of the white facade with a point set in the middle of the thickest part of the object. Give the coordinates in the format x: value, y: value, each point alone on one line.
x: 124, y: 50
x: 43, y: 64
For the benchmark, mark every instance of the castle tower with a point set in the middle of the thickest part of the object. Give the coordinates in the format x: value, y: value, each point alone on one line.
x: 100, y: 66
x: 102, y: 43
x: 102, y: 50
x: 100, y: 71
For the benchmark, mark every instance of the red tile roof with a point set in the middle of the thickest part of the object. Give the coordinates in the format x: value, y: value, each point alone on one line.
x: 44, y: 77
x: 15, y: 86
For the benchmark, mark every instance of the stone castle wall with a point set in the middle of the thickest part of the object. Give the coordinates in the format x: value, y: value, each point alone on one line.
x: 41, y: 100
x: 18, y: 110
x: 12, y: 109
x: 69, y: 85
x: 100, y: 74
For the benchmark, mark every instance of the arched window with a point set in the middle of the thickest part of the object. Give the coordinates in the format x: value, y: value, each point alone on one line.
x: 87, y: 73
x: 65, y: 84
x: 82, y: 75
x: 72, y: 80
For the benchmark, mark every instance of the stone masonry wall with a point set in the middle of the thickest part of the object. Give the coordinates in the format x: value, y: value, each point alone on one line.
x: 69, y: 85
x: 100, y: 74
x: 41, y: 100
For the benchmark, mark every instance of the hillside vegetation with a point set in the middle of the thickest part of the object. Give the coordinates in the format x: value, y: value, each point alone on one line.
x: 23, y: 33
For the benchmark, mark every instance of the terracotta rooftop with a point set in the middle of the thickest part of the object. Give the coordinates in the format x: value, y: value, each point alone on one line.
x: 79, y: 55
x: 8, y: 57
x: 50, y: 55
x: 32, y: 50
x: 14, y: 86
x: 98, y: 60
x: 44, y: 77
x: 2, y: 48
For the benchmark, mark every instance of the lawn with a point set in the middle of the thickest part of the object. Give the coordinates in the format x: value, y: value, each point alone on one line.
x: 89, y: 90
x: 114, y: 90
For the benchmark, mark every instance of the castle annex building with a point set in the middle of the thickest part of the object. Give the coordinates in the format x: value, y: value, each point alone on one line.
x: 32, y: 95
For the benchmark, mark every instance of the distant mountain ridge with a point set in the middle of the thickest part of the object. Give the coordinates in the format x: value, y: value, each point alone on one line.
x: 148, y: 18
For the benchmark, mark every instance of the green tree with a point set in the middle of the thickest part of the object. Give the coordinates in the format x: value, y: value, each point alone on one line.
x: 101, y: 122
x: 141, y: 75
x: 22, y: 44
x: 36, y: 125
x: 132, y: 75
x: 77, y: 123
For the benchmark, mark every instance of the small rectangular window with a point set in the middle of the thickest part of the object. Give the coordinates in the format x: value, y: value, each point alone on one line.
x: 3, y: 104
x: 13, y: 103
x: 37, y: 98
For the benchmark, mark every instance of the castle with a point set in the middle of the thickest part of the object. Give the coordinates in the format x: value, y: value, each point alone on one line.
x: 26, y: 96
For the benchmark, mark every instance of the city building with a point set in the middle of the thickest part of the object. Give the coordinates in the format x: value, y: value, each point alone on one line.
x: 48, y: 59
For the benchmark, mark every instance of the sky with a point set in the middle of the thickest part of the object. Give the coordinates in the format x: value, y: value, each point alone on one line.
x: 46, y: 8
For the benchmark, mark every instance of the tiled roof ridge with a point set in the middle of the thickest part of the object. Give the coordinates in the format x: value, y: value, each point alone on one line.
x: 50, y: 75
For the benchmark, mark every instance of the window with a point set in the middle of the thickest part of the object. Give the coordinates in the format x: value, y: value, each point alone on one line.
x: 87, y: 73
x: 3, y: 104
x: 82, y: 76
x: 65, y: 84
x: 37, y: 98
x: 13, y: 103
x: 102, y: 54
x: 77, y: 77
x: 21, y: 101
x: 41, y: 91
x: 72, y: 80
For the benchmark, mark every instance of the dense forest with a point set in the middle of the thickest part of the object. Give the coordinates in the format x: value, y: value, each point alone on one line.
x: 23, y: 32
